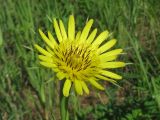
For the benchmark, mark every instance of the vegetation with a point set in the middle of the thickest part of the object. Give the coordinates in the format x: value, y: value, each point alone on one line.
x: 28, y: 91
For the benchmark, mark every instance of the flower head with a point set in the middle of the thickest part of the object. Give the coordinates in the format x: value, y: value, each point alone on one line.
x: 80, y: 57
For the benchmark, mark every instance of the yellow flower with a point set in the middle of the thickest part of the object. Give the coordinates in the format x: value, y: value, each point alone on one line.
x: 80, y: 57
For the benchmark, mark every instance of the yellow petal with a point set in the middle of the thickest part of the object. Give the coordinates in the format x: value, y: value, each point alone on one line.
x: 46, y: 40
x: 108, y: 79
x: 110, y: 74
x: 63, y: 31
x: 110, y: 58
x: 60, y: 75
x: 111, y: 53
x: 45, y: 58
x: 86, y: 30
x: 101, y: 38
x: 66, y: 87
x: 58, y: 55
x: 96, y: 84
x: 78, y: 87
x: 84, y: 86
x: 52, y: 38
x: 92, y: 36
x: 112, y: 65
x: 71, y: 28
x: 42, y: 51
x: 107, y: 45
x: 49, y: 50
x: 78, y: 35
x: 47, y: 64
x: 57, y: 30
x: 105, y: 78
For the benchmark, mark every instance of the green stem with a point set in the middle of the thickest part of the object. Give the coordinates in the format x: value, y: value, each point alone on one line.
x: 63, y: 103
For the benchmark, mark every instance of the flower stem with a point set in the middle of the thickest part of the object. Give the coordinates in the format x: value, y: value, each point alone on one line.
x: 63, y: 103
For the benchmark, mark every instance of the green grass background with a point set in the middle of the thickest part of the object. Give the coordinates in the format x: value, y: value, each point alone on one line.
x: 27, y: 90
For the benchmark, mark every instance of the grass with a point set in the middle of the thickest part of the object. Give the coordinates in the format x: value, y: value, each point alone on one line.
x: 27, y: 90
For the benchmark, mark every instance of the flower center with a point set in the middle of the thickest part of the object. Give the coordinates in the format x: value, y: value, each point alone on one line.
x: 76, y: 58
